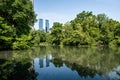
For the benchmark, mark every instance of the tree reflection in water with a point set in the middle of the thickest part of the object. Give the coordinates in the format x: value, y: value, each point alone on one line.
x: 87, y: 62
x: 82, y: 71
x: 16, y: 70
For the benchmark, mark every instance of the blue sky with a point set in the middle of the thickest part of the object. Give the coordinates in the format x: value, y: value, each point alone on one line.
x: 66, y: 10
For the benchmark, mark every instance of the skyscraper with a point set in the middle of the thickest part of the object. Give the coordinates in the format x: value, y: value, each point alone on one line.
x: 47, y: 25
x: 40, y: 24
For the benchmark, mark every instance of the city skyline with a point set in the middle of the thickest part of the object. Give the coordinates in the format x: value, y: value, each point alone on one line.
x: 44, y: 24
x: 65, y: 10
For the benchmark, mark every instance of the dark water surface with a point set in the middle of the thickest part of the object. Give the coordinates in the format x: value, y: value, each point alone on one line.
x: 66, y: 63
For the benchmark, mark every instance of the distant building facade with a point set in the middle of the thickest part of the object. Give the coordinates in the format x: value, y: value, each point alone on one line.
x: 47, y: 25
x: 40, y: 24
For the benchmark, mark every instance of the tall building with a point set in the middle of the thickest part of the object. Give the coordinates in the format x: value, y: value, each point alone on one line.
x: 40, y: 24
x: 47, y: 25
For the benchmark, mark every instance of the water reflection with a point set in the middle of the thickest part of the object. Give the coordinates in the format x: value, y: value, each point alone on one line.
x: 115, y: 74
x: 45, y: 62
x: 41, y: 63
x: 16, y: 70
x: 56, y: 63
x: 64, y: 70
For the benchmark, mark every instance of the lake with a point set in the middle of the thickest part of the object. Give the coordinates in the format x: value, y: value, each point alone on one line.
x: 61, y: 63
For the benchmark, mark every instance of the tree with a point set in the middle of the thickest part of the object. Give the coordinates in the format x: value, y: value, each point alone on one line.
x: 87, y: 29
x: 16, y: 19
x: 56, y: 33
x: 84, y: 19
x: 7, y: 35
x: 38, y: 36
x: 19, y: 14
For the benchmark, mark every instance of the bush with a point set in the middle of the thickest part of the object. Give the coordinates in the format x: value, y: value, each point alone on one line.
x: 7, y: 34
x: 24, y: 42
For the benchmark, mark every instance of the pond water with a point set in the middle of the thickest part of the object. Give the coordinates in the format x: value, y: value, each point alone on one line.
x: 56, y: 63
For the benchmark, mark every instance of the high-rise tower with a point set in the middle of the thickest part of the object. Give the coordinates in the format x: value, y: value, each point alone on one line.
x: 47, y: 25
x: 40, y: 24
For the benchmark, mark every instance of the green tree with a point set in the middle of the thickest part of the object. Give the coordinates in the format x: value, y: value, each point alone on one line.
x: 84, y: 19
x: 22, y: 42
x: 16, y: 19
x: 56, y: 33
x: 7, y: 34
x: 19, y: 14
x: 38, y: 37
x: 87, y: 29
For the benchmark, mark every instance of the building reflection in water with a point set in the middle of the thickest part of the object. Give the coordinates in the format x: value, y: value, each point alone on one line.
x: 41, y: 63
x: 45, y: 62
x: 59, y: 66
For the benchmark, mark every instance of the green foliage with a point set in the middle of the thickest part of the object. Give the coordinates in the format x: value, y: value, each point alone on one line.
x: 33, y: 39
x: 56, y: 33
x: 7, y: 34
x: 38, y: 36
x: 16, y: 70
x: 87, y: 29
x: 115, y: 41
x: 23, y: 42
x: 19, y: 14
x: 16, y: 19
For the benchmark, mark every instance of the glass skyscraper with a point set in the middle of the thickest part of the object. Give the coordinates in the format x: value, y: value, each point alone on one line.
x: 40, y: 24
x: 47, y: 25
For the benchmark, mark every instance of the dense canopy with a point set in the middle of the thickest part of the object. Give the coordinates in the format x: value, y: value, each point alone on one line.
x: 16, y: 19
x: 87, y: 29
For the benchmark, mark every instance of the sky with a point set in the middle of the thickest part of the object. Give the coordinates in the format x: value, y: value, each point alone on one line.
x: 65, y: 10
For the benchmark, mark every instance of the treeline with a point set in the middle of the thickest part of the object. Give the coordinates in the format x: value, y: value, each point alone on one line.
x: 87, y: 29
x: 17, y: 18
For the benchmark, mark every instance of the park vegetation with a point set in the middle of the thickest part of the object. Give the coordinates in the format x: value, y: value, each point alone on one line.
x: 16, y: 32
x: 87, y: 29
x: 16, y: 19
